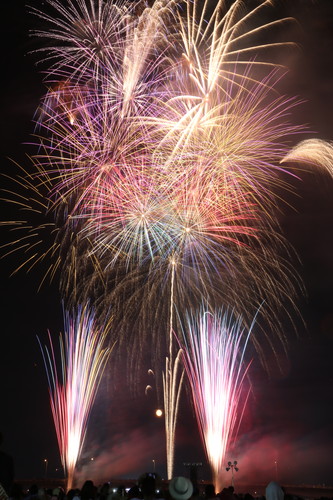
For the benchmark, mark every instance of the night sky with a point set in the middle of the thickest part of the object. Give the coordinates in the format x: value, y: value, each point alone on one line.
x: 289, y: 418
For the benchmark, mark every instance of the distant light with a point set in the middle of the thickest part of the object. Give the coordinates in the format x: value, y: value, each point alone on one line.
x: 158, y: 412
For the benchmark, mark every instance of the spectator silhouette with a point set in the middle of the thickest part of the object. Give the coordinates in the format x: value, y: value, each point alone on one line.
x: 88, y: 490
x: 134, y: 493
x: 6, y: 469
x: 209, y: 492
x: 274, y: 491
x: 180, y: 488
x: 17, y: 492
x: 147, y: 485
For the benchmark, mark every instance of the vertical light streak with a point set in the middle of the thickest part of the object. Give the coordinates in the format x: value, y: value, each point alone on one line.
x: 73, y: 389
x: 214, y: 351
x: 172, y: 385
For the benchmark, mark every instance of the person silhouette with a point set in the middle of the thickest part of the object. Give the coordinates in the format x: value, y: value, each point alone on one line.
x: 6, y: 469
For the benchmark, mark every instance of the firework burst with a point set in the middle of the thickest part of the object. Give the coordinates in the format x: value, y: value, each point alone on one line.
x: 85, y: 35
x: 155, y: 159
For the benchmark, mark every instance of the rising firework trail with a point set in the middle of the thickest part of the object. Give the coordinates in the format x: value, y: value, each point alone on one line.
x: 173, y: 377
x: 214, y: 349
x: 83, y: 357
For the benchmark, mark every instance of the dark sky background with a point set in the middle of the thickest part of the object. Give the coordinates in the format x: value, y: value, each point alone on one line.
x: 287, y: 432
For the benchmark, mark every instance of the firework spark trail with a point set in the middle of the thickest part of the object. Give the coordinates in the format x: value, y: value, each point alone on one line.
x: 212, y: 62
x: 36, y: 225
x: 172, y: 386
x: 315, y: 152
x: 139, y: 76
x: 116, y: 48
x: 214, y: 349
x: 239, y: 143
x: 83, y: 156
x: 83, y: 358
x: 47, y: 236
x: 86, y: 37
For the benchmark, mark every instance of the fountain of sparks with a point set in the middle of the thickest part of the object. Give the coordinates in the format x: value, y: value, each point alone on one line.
x: 73, y: 391
x: 214, y: 351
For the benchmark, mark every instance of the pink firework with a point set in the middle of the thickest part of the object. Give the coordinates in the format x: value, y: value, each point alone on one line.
x: 146, y: 216
x: 73, y: 390
x: 214, y: 351
x: 159, y: 143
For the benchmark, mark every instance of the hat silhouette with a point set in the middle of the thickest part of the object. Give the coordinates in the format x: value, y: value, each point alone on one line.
x: 180, y: 488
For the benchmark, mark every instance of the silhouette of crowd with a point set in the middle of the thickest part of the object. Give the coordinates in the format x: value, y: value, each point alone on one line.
x: 146, y: 488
